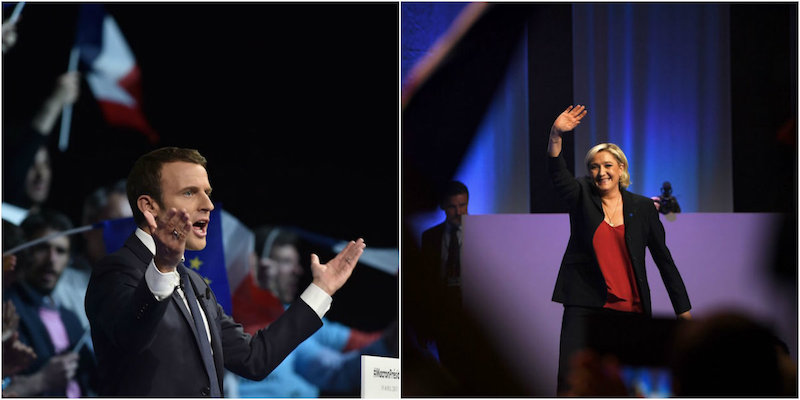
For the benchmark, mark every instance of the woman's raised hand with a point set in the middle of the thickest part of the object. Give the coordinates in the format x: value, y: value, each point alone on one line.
x: 569, y: 119
x: 565, y: 122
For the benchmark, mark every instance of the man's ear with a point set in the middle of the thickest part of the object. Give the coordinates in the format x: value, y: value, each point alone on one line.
x: 145, y: 203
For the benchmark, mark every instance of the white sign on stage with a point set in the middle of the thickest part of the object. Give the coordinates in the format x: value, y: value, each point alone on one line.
x: 380, y: 377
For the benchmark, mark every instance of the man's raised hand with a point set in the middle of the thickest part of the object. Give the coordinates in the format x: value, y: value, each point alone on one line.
x: 170, y: 237
x: 331, y: 276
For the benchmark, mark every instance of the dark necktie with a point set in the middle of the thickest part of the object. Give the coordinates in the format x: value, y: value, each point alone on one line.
x: 201, y: 336
x: 453, y: 265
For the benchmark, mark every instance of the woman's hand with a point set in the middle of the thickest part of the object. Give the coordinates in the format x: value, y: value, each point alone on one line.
x: 566, y: 121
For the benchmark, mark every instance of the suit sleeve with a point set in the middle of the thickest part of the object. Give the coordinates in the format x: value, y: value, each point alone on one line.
x: 255, y: 357
x: 121, y: 307
x: 567, y: 187
x: 656, y: 242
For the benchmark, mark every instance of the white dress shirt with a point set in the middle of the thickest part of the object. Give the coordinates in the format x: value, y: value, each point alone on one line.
x: 162, y: 284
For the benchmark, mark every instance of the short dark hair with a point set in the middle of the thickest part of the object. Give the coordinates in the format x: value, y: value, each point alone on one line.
x: 12, y: 236
x: 451, y: 189
x: 35, y: 223
x: 94, y: 203
x: 145, y: 176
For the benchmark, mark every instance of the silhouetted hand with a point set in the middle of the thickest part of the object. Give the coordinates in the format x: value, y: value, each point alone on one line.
x: 16, y: 355
x: 593, y: 376
x: 9, y: 263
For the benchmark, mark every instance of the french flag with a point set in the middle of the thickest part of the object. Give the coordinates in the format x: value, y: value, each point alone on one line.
x: 111, y: 70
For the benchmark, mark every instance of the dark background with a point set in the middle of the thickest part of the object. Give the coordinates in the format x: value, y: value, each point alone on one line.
x: 294, y: 106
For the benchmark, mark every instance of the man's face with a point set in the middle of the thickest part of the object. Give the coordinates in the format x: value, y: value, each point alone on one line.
x: 37, y: 179
x: 281, y: 272
x: 185, y: 185
x: 48, y: 261
x: 454, y: 207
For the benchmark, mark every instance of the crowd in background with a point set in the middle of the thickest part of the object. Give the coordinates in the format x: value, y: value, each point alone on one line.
x: 47, y: 346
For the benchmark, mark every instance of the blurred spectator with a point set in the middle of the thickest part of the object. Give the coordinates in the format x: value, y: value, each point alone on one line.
x: 16, y: 355
x: 52, y: 331
x: 109, y: 202
x: 9, y: 35
x: 327, y: 361
x: 28, y: 178
x: 12, y: 237
x: 724, y: 355
x: 728, y: 355
x: 594, y: 376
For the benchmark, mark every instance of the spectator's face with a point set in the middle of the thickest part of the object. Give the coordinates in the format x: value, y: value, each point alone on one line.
x: 185, y: 186
x: 37, y: 180
x: 283, y: 272
x: 48, y: 261
x: 454, y: 207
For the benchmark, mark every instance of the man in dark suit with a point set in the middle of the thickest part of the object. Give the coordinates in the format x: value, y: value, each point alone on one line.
x: 60, y: 369
x: 157, y: 327
x: 441, y: 244
x: 441, y: 252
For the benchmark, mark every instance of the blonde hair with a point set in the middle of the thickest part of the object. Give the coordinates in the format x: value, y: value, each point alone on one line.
x: 614, y: 150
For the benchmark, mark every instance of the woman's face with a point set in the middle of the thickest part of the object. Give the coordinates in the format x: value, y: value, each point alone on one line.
x: 605, y: 171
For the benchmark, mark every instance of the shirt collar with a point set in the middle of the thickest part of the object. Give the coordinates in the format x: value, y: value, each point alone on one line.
x: 148, y: 242
x: 452, y: 227
x: 35, y: 297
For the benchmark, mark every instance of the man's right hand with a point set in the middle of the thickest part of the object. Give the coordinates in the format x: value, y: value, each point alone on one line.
x: 169, y: 235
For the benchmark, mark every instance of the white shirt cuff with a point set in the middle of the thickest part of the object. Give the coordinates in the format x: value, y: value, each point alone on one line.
x: 161, y: 284
x: 317, y: 299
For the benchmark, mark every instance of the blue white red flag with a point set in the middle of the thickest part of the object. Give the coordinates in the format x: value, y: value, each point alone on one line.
x: 110, y: 69
x: 209, y: 262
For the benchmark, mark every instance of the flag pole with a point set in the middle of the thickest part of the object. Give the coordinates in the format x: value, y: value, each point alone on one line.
x: 16, y: 13
x: 66, y: 112
x: 52, y: 236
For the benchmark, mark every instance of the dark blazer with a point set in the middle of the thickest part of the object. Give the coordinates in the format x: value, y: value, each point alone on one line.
x: 33, y: 333
x: 432, y: 247
x: 146, y: 347
x: 580, y: 281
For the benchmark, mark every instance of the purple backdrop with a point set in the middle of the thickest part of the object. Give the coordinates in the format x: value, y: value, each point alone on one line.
x: 510, y: 263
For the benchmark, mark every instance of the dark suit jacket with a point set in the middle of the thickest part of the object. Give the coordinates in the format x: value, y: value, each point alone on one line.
x: 432, y: 248
x: 580, y: 281
x: 147, y: 347
x: 33, y: 333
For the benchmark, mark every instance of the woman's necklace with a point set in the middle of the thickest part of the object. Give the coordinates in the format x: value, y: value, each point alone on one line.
x: 608, y: 217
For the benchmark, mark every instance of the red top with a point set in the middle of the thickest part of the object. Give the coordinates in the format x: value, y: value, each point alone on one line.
x: 615, y: 263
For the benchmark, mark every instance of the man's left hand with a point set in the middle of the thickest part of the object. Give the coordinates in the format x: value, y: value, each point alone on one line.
x: 331, y: 276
